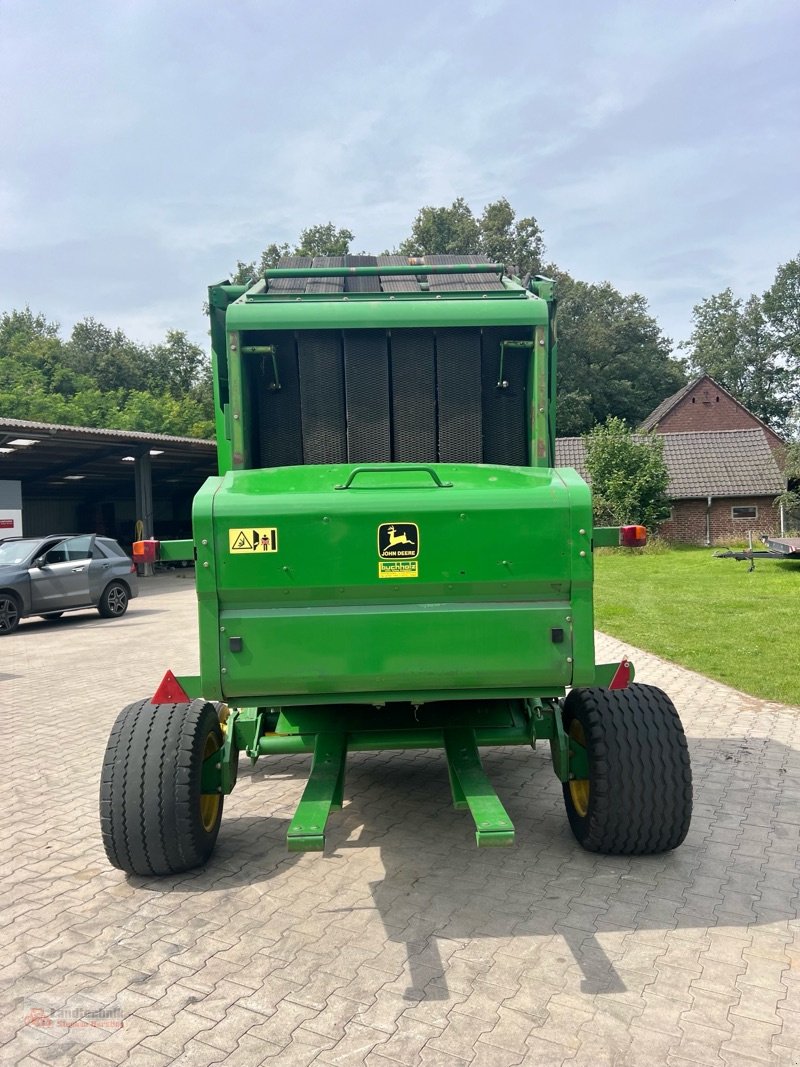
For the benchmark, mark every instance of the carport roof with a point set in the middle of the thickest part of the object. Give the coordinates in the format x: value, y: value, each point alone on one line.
x: 77, y: 455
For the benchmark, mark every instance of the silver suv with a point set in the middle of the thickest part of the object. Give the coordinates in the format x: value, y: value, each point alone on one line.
x: 50, y: 575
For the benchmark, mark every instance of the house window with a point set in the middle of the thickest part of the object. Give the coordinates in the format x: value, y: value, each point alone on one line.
x: 671, y: 516
x: 744, y: 512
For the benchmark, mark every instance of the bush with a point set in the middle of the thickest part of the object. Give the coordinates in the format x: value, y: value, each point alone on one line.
x: 628, y: 475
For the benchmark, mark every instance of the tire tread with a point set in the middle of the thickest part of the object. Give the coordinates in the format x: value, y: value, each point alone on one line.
x: 150, y: 785
x: 639, y: 771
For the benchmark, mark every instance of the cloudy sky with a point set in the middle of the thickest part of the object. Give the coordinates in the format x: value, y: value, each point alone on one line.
x: 145, y: 146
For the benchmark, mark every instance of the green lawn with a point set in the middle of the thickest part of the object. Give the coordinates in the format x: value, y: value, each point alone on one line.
x: 708, y: 614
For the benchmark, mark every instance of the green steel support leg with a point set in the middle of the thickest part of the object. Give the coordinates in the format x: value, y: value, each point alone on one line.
x: 471, y: 788
x: 324, y: 790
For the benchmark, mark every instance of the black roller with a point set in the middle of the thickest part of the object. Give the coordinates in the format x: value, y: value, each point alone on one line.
x: 399, y: 283
x: 362, y: 283
x: 280, y: 436
x: 290, y: 285
x: 326, y: 285
x: 505, y: 419
x: 458, y: 387
x: 413, y: 397
x: 366, y: 375
x: 319, y: 354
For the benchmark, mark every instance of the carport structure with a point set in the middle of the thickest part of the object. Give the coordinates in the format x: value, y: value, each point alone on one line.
x: 85, y: 479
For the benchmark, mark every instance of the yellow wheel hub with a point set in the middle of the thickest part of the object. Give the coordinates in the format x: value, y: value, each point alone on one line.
x: 579, y: 787
x: 209, y: 802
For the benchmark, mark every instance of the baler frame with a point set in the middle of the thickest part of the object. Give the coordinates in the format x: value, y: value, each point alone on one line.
x: 554, y: 692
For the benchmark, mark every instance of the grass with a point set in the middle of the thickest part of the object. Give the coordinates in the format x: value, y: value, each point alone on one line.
x: 708, y: 614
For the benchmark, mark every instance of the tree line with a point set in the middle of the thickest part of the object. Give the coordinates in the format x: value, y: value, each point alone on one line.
x: 614, y: 361
x: 100, y: 377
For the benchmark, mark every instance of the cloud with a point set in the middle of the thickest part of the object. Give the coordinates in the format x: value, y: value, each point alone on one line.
x: 147, y: 147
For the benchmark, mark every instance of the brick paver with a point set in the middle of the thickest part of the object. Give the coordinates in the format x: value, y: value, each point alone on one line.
x: 403, y: 944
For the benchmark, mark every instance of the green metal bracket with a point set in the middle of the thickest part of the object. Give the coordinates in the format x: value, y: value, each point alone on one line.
x: 219, y: 771
x: 230, y: 754
x: 570, y: 759
x: 543, y: 287
x: 604, y: 672
x: 191, y: 685
x: 578, y: 760
x: 247, y: 729
x: 324, y: 791
x: 211, y: 773
x: 559, y: 747
x: 605, y: 537
x: 472, y: 789
x: 171, y: 551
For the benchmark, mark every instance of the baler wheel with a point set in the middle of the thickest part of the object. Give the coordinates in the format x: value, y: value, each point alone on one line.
x: 153, y: 817
x: 637, y: 799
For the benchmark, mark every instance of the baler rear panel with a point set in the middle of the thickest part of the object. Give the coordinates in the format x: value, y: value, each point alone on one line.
x: 388, y: 560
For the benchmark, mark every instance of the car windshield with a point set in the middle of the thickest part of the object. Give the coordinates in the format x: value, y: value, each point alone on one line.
x: 13, y: 552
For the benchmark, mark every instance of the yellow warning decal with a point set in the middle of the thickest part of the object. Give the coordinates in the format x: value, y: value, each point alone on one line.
x: 398, y: 568
x: 251, y: 540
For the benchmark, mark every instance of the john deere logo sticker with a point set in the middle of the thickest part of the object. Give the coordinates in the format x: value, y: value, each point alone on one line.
x: 398, y: 540
x: 250, y: 540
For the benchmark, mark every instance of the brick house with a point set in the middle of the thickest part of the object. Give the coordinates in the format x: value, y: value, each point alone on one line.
x: 705, y: 405
x: 723, y: 464
x: 722, y: 483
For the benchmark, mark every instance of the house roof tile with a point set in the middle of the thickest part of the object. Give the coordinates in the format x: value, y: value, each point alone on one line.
x: 708, y: 463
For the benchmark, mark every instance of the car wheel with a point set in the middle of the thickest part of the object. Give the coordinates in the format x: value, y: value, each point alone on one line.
x: 113, y: 601
x: 10, y: 610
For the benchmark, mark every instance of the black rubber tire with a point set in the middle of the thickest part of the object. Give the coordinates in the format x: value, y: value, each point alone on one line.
x: 640, y: 777
x: 150, y: 788
x: 10, y: 613
x: 114, y: 600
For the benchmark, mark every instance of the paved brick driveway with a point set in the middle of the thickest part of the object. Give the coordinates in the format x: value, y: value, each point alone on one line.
x: 403, y: 944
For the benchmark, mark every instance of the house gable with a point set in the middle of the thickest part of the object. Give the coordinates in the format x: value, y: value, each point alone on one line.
x: 702, y: 406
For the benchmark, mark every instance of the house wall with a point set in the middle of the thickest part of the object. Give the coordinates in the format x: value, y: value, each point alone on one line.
x: 688, y: 523
x: 708, y: 408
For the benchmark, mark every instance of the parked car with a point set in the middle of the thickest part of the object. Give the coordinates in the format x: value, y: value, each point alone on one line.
x: 50, y: 575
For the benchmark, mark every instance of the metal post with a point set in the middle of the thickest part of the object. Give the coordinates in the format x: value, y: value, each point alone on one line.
x: 143, y: 478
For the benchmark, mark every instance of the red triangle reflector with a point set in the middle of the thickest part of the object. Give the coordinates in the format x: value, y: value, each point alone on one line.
x: 622, y: 676
x: 170, y: 691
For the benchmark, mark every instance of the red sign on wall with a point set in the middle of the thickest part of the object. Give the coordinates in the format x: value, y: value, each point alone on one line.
x: 6, y: 524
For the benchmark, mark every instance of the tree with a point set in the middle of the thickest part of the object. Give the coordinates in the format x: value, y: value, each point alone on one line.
x: 324, y: 239
x: 246, y: 272
x: 628, y: 475
x: 733, y: 341
x: 781, y: 307
x: 107, y: 357
x: 613, y: 359
x: 177, y: 364
x: 100, y: 377
x: 497, y: 235
x: 790, y: 498
x: 517, y: 244
x: 443, y: 231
